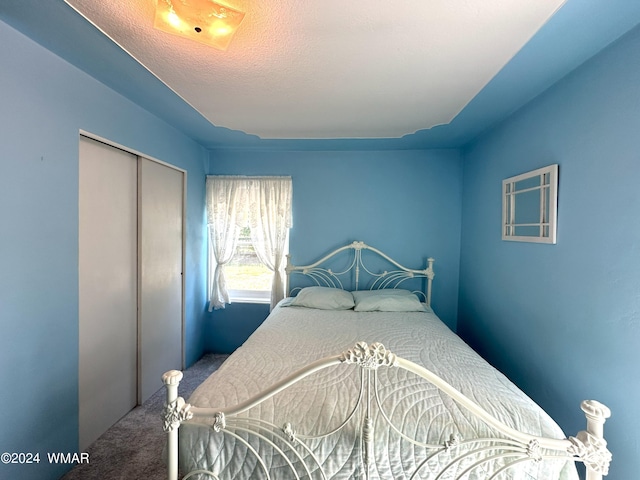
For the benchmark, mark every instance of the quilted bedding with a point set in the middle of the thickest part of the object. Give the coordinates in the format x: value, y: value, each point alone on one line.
x: 293, y: 337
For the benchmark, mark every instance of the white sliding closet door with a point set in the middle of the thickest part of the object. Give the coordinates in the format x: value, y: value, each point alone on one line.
x: 107, y: 287
x: 161, y: 191
x: 131, y: 282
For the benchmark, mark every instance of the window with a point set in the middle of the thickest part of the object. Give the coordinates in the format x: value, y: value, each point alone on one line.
x: 248, y: 279
x: 248, y: 220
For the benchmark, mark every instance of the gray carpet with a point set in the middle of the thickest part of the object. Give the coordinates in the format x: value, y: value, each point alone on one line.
x: 132, y: 448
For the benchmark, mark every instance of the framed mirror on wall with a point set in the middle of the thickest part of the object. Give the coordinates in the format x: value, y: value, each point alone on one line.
x: 530, y: 206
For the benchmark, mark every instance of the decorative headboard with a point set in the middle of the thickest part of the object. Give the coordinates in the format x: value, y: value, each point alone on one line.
x: 351, y: 276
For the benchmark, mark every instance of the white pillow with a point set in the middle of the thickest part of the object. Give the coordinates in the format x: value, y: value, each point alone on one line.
x: 392, y: 300
x: 360, y: 294
x: 323, y: 298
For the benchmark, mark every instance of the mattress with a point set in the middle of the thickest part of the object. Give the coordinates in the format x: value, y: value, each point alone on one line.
x: 293, y: 337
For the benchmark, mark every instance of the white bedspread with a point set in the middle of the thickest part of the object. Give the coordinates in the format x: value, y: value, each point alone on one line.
x: 293, y: 337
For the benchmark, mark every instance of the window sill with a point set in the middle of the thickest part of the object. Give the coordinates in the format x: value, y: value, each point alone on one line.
x: 249, y: 296
x: 265, y: 301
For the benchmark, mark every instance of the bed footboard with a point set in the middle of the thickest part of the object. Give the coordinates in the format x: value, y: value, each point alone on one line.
x: 496, y: 454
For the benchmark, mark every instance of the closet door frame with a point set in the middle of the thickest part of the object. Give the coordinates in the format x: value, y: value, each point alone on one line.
x: 98, y: 138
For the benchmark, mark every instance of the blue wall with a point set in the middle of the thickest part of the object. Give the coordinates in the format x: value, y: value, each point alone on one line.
x: 45, y: 102
x: 405, y: 203
x: 563, y: 320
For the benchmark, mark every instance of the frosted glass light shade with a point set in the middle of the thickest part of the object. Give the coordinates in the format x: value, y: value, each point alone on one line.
x: 205, y: 21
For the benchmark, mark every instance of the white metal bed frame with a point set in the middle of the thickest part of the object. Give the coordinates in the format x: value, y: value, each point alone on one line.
x: 377, y: 281
x: 510, y: 446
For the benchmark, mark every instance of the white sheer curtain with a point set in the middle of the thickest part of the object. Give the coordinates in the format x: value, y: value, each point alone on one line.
x: 270, y: 221
x: 264, y: 203
x: 226, y: 213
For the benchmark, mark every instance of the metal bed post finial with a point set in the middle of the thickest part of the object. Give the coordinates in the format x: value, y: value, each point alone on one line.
x: 589, y: 446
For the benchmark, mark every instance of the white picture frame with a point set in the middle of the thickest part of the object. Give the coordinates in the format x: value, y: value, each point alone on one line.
x: 530, y: 206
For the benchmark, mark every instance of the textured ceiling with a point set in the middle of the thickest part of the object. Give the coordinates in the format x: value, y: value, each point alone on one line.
x: 299, y: 71
x: 332, y: 69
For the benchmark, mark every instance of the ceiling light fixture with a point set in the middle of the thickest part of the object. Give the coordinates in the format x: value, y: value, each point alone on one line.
x: 205, y: 21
